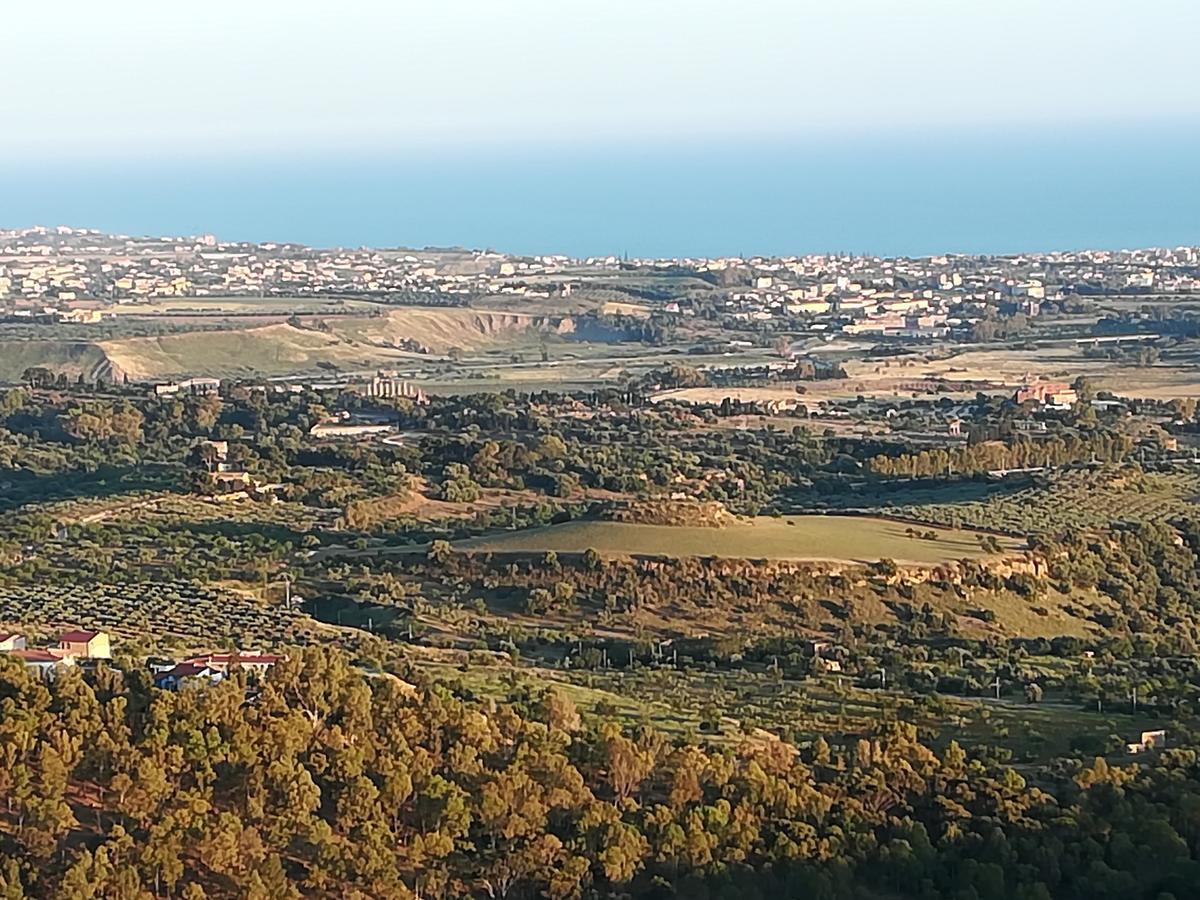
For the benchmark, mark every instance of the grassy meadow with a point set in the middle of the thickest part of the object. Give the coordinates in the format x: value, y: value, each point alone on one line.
x: 836, y: 538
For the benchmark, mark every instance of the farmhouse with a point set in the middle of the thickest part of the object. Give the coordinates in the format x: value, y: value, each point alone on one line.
x: 72, y: 646
x: 259, y: 663
x: 1150, y: 740
x: 1048, y: 393
x: 83, y: 645
x: 10, y: 642
x: 217, y: 452
x: 182, y: 673
x: 44, y: 663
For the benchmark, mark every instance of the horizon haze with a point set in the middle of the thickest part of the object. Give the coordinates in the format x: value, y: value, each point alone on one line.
x: 651, y: 128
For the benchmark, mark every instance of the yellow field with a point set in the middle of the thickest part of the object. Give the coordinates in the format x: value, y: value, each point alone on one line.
x: 1010, y: 368
x: 849, y: 539
x: 1000, y: 371
x: 350, y: 343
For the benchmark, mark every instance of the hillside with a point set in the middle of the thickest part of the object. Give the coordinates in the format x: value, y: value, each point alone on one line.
x: 280, y: 348
x: 835, y: 538
x: 72, y: 358
x: 437, y: 330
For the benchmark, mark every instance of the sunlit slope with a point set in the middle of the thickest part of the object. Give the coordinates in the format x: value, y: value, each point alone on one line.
x: 848, y: 539
x: 342, y: 342
x: 70, y: 358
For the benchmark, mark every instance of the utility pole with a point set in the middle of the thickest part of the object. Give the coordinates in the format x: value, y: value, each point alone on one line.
x: 996, y: 685
x: 1133, y: 697
x: 287, y: 590
x: 883, y: 678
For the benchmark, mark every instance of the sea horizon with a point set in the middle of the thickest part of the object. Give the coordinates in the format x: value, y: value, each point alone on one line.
x: 998, y: 192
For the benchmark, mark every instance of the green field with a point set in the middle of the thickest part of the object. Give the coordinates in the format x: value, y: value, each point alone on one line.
x: 839, y: 538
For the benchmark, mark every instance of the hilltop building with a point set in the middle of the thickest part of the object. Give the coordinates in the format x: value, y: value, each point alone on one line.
x: 1047, y: 393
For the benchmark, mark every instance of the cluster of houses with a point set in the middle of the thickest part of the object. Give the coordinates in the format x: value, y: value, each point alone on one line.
x: 231, y: 482
x: 75, y: 269
x: 69, y: 266
x: 209, y: 668
x: 929, y: 296
x: 71, y: 648
x: 79, y: 646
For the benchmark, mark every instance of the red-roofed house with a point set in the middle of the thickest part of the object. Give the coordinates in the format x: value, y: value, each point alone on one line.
x: 253, y: 662
x: 172, y: 679
x: 44, y: 662
x: 1048, y: 393
x: 10, y: 641
x: 84, y: 645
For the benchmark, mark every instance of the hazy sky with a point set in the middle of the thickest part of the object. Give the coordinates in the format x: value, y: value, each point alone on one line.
x: 230, y: 78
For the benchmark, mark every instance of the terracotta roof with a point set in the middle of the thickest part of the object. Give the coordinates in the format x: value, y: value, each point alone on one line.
x: 39, y: 656
x: 186, y: 670
x: 77, y: 637
x: 238, y: 658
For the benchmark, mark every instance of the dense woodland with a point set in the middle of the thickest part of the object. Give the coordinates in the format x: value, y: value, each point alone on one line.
x: 998, y: 455
x: 357, y: 769
x: 323, y: 782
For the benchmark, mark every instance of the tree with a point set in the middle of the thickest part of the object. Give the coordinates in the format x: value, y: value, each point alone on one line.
x: 38, y: 377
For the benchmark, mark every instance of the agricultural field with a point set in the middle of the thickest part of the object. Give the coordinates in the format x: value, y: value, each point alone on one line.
x: 180, y: 509
x: 803, y: 710
x: 848, y: 539
x: 1027, y: 505
x: 159, y: 613
x: 729, y: 708
x: 1057, y: 360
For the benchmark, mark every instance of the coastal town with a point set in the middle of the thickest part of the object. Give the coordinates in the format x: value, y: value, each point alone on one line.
x: 81, y: 276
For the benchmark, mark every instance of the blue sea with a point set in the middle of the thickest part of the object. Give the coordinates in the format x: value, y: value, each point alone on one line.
x: 1001, y: 191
